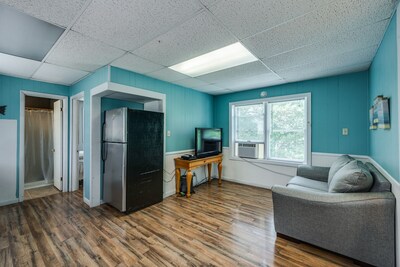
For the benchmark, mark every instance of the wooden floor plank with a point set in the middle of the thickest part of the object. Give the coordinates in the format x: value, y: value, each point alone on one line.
x: 230, y: 225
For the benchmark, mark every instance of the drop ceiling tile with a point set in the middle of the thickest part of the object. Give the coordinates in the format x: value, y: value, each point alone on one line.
x: 302, y: 75
x: 337, y: 64
x: 209, y: 3
x: 59, y: 12
x: 314, y: 27
x: 17, y: 66
x: 191, y: 83
x: 198, y: 36
x: 349, y: 41
x: 252, y: 82
x: 246, y: 18
x: 167, y: 75
x: 130, y: 24
x: 209, y: 88
x: 57, y: 74
x: 26, y: 36
x: 220, y: 92
x: 137, y: 64
x: 80, y: 52
x: 235, y: 73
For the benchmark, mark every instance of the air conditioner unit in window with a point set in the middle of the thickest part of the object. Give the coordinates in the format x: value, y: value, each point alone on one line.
x: 246, y: 150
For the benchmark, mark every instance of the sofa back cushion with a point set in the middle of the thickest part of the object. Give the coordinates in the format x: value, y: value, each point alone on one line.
x: 353, y: 177
x: 381, y: 184
x: 339, y: 163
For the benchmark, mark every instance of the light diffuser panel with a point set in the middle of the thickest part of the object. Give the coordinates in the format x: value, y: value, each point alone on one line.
x: 227, y: 57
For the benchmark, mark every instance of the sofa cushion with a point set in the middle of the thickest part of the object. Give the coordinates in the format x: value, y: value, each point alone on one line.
x: 381, y: 184
x: 353, y: 177
x: 309, y: 183
x: 306, y: 189
x: 339, y: 163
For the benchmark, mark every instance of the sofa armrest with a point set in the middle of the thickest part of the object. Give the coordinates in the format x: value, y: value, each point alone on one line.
x: 313, y: 172
x: 358, y: 225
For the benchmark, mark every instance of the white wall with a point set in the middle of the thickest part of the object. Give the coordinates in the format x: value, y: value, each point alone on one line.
x: 8, y: 162
x: 169, y: 172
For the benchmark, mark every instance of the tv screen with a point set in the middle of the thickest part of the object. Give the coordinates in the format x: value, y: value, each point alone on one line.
x: 208, y: 142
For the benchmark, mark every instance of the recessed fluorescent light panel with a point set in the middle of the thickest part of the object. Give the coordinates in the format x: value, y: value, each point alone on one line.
x: 25, y: 36
x: 227, y: 57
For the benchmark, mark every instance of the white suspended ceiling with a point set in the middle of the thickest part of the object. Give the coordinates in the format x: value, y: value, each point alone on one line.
x: 292, y: 39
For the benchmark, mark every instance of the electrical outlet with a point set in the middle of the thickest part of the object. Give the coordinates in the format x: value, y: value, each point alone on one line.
x: 345, y: 131
x: 168, y: 133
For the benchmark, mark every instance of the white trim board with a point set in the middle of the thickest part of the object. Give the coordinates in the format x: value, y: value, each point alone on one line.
x: 65, y: 122
x: 73, y: 168
x: 94, y: 156
x: 8, y: 161
x: 87, y: 201
x: 9, y: 202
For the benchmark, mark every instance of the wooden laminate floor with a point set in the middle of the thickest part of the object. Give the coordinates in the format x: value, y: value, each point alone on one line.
x: 230, y: 225
x: 40, y: 192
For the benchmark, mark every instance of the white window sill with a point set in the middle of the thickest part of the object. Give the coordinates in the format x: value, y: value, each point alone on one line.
x: 294, y: 164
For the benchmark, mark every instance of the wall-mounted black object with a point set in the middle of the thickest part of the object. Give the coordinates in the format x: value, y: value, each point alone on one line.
x: 3, y: 110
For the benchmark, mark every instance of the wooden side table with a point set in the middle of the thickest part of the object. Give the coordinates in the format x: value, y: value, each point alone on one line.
x: 190, y: 165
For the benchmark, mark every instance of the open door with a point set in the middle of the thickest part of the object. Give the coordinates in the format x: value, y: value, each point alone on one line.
x: 58, y: 147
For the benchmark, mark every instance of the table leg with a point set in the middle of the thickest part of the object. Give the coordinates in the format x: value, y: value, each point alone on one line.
x: 188, y: 182
x: 219, y: 173
x: 209, y: 172
x: 178, y: 181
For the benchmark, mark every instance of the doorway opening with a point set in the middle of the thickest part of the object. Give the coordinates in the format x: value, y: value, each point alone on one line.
x: 77, y: 140
x: 42, y: 142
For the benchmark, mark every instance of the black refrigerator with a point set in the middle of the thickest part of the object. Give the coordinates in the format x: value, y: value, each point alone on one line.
x: 133, y: 143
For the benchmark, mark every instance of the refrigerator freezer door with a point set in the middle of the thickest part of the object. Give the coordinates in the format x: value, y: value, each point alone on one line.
x: 115, y: 175
x: 115, y: 125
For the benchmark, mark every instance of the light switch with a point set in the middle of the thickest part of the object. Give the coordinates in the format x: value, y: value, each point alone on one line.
x: 345, y: 131
x: 168, y: 133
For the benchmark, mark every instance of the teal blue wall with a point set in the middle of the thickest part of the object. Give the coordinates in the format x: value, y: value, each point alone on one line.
x: 10, y: 88
x: 384, y: 145
x: 337, y: 102
x: 85, y: 85
x: 186, y: 108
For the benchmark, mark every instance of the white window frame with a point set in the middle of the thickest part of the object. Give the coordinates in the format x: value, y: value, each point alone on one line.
x: 266, y: 101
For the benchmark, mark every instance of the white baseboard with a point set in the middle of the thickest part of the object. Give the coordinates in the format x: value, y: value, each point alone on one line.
x: 224, y: 178
x: 168, y: 194
x: 9, y: 202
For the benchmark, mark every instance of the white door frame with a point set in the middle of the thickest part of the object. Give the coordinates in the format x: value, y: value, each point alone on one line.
x: 73, y: 143
x: 95, y: 128
x: 22, y: 138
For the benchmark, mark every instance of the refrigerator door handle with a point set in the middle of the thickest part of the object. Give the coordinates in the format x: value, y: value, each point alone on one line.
x: 103, y: 129
x: 145, y: 173
x: 105, y: 151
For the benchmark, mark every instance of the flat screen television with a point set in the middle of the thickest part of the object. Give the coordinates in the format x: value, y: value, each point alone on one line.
x: 208, y: 142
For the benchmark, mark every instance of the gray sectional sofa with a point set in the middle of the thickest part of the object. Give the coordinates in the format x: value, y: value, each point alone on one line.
x: 360, y: 225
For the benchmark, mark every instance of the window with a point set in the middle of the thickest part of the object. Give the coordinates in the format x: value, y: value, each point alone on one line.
x: 273, y: 129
